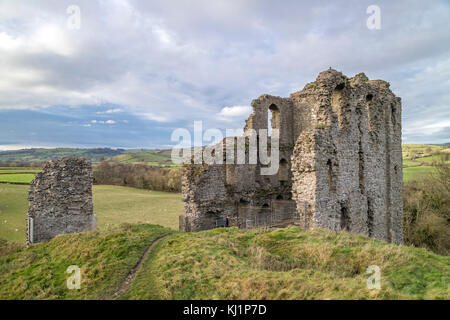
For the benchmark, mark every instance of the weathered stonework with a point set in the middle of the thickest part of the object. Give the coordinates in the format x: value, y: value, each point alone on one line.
x: 347, y: 163
x: 60, y: 200
x: 340, y: 164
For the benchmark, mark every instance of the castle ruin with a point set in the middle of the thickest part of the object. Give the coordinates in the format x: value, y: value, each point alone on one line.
x: 340, y: 164
x: 60, y: 200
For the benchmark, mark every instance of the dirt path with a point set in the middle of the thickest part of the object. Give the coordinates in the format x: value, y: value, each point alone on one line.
x: 126, y: 283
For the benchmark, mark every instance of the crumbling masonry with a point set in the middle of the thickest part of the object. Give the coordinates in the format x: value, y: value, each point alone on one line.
x: 340, y: 164
x: 60, y: 200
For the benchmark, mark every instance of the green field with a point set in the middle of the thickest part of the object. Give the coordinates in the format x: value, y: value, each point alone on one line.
x: 414, y: 173
x: 409, y: 150
x: 112, y: 205
x: 149, y: 157
x: 422, y: 153
x: 143, y: 156
x: 43, y: 154
x: 23, y: 175
x: 409, y: 173
x: 17, y: 178
x: 9, y: 170
x: 288, y: 263
x: 418, y: 160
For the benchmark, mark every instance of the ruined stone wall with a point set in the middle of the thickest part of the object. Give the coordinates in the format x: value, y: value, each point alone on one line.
x: 205, y: 196
x: 340, y: 160
x: 60, y: 200
x: 347, y: 162
x: 213, y: 192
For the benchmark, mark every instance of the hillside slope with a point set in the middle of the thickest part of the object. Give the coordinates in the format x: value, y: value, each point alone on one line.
x: 148, y: 157
x: 42, y: 154
x: 227, y: 263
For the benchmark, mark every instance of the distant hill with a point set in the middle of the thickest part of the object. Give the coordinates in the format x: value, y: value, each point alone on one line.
x: 138, y: 156
x: 162, y: 157
x: 148, y: 157
x: 42, y: 154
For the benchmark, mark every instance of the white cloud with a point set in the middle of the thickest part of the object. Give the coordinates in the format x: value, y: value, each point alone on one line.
x: 103, y: 121
x: 228, y: 113
x: 109, y: 111
x: 53, y: 39
x: 183, y: 60
x: 8, y: 43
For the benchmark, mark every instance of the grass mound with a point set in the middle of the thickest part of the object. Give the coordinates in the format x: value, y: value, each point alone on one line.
x: 288, y: 263
x: 105, y: 259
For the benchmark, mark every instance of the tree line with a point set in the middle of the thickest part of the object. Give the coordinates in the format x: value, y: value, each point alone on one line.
x: 138, y: 176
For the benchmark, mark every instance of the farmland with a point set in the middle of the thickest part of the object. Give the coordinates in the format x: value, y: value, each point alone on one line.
x: 12, y: 170
x: 149, y: 157
x: 42, y: 154
x: 17, y: 178
x: 19, y: 175
x: 112, y: 205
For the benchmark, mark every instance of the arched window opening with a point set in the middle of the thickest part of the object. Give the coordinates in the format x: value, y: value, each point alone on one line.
x: 273, y: 120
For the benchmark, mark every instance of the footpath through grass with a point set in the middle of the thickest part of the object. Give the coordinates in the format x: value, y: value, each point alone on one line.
x: 104, y: 258
x: 288, y: 263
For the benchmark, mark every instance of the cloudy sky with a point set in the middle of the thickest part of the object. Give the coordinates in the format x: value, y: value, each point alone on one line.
x: 136, y: 70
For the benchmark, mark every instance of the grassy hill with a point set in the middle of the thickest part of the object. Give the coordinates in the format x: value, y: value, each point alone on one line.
x: 227, y: 263
x: 141, y: 156
x: 42, y: 154
x: 414, y: 155
x: 105, y: 258
x: 148, y: 157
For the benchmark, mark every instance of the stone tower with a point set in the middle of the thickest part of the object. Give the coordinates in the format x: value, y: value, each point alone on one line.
x: 347, y: 160
x: 340, y: 164
x: 60, y: 200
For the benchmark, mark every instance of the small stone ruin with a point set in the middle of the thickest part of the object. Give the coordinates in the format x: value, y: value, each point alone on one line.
x: 340, y: 164
x: 60, y: 200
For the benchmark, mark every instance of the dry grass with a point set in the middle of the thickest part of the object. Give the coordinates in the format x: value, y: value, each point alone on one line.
x: 287, y: 263
x: 105, y: 259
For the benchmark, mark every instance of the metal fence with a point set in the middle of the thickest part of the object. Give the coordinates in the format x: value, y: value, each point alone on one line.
x: 280, y: 213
